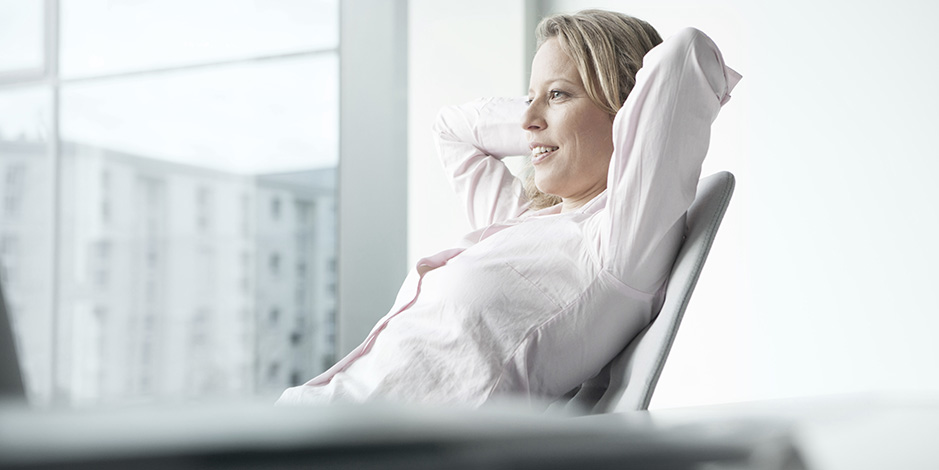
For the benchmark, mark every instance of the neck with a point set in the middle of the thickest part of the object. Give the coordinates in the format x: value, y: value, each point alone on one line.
x: 569, y: 204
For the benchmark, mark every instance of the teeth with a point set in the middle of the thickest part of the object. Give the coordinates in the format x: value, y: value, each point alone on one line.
x: 540, y: 150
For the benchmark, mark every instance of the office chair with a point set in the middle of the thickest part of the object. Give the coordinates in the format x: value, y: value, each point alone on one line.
x: 627, y: 382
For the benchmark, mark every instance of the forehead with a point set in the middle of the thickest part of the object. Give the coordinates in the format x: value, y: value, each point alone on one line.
x: 552, y: 63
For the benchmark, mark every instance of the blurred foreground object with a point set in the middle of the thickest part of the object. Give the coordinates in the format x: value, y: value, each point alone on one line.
x: 824, y: 433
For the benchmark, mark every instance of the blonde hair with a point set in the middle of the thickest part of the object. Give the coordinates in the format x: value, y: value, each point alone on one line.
x: 607, y: 48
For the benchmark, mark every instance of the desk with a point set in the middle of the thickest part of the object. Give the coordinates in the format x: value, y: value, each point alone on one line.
x: 851, y: 432
x: 770, y: 435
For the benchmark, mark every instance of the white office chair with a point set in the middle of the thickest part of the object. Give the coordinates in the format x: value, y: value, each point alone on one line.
x: 627, y: 382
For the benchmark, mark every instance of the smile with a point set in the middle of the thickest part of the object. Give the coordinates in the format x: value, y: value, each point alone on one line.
x: 538, y: 154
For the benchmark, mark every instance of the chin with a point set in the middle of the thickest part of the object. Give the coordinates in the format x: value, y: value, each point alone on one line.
x: 544, y: 188
x: 545, y: 183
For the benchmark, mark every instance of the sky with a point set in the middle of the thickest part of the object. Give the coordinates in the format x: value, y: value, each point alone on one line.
x: 240, y: 113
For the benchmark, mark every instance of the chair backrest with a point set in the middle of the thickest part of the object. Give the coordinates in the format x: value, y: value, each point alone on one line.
x: 627, y: 382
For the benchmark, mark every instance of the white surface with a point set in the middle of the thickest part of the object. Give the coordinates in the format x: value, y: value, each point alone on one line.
x: 820, y: 278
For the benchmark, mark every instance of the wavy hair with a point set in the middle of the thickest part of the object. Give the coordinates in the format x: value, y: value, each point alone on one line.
x: 607, y: 48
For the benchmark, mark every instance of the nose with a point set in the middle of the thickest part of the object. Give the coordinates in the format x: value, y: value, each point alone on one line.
x: 533, y: 119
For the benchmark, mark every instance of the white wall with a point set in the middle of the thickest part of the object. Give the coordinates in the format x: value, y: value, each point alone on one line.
x: 821, y: 278
x: 819, y: 281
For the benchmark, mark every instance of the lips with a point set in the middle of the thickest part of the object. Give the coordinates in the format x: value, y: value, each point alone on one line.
x: 540, y: 152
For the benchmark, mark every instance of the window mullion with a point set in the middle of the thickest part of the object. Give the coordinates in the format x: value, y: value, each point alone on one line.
x: 51, y: 76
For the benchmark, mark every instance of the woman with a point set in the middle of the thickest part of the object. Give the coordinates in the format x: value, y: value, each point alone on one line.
x: 559, y: 276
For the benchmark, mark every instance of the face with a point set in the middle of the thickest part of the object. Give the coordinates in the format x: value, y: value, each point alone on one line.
x: 571, y: 138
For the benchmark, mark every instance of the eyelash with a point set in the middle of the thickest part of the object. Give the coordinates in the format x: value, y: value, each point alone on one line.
x: 551, y: 93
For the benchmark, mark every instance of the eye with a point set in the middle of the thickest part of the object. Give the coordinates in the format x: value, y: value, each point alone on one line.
x: 528, y: 101
x: 555, y: 94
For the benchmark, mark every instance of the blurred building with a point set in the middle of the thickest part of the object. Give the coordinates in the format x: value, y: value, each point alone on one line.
x: 26, y: 254
x: 174, y: 281
x: 295, y: 296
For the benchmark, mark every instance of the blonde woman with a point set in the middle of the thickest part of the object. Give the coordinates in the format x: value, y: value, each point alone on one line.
x: 564, y: 269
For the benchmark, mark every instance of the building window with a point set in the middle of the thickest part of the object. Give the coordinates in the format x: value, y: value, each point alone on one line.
x: 273, y: 264
x: 105, y: 197
x: 203, y: 208
x: 275, y: 208
x: 273, y: 372
x: 13, y: 190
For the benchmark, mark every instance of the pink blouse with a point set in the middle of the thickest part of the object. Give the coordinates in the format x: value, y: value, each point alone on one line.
x: 533, y: 303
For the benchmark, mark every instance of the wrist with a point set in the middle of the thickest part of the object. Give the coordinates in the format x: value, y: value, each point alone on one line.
x: 499, y: 128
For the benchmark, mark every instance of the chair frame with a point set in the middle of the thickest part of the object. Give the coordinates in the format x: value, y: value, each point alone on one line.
x: 628, y: 381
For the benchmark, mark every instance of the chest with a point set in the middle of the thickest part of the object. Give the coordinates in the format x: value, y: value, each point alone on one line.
x: 549, y: 260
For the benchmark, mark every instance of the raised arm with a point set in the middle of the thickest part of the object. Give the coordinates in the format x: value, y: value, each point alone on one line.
x: 471, y: 140
x: 661, y: 136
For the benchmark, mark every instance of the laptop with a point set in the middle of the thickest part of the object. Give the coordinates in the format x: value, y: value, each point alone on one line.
x: 11, y: 377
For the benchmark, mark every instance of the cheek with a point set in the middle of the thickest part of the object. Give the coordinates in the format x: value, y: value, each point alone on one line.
x: 596, y: 141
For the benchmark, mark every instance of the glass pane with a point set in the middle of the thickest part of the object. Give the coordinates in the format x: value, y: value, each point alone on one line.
x: 164, y: 33
x: 26, y: 228
x: 246, y: 118
x: 198, y: 237
x: 21, y: 35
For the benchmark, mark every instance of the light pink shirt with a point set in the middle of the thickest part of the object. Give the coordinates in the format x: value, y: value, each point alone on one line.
x: 534, y: 303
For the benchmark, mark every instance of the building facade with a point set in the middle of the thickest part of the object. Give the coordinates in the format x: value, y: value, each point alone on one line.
x: 174, y: 282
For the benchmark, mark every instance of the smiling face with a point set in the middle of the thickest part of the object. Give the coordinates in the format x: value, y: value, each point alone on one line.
x: 570, y: 136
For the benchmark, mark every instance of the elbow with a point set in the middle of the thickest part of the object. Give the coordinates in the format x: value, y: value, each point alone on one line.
x: 689, y: 40
x: 443, y: 121
x: 700, y: 51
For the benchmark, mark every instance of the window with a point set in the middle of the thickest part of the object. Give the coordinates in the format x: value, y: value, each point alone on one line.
x: 274, y: 264
x: 22, y: 48
x: 165, y: 148
x: 275, y: 208
x: 105, y: 197
x: 204, y: 208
